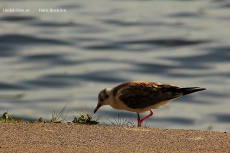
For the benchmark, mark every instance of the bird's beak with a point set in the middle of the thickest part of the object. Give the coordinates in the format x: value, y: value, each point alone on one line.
x: 98, y: 106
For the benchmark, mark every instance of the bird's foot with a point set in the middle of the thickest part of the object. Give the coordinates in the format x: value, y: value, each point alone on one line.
x: 140, y: 121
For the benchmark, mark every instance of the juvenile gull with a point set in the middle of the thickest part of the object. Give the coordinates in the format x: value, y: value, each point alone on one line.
x: 141, y: 96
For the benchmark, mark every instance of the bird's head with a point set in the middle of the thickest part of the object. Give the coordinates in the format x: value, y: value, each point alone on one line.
x: 103, y: 98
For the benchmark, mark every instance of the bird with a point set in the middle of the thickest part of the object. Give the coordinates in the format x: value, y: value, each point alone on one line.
x: 141, y: 96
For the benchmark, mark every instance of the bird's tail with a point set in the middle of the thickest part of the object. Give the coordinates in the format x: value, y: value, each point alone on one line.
x: 189, y: 90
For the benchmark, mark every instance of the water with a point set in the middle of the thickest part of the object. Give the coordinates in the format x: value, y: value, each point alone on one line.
x: 48, y: 60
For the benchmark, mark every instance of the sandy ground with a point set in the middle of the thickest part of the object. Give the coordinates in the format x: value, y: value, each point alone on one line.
x: 69, y: 137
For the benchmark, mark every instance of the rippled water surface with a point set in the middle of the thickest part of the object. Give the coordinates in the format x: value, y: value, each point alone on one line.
x: 48, y: 60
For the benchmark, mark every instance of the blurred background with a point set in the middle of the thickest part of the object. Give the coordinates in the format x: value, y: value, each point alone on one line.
x: 48, y: 60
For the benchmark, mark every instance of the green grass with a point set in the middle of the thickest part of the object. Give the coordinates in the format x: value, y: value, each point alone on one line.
x: 6, y: 118
x: 121, y: 121
x: 81, y: 118
x: 58, y: 117
x: 85, y: 118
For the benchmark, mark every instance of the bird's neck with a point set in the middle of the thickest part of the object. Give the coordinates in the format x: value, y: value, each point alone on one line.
x: 109, y: 92
x: 112, y: 101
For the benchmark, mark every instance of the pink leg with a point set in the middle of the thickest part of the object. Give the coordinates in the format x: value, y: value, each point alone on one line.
x: 138, y: 120
x: 141, y: 120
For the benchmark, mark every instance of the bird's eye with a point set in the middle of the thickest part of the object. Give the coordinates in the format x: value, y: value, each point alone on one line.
x: 101, y: 99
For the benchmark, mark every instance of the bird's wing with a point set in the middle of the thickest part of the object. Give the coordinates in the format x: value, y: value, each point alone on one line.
x: 141, y: 95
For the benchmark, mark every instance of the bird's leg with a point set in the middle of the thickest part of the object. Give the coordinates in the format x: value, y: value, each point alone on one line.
x: 138, y: 120
x: 141, y: 120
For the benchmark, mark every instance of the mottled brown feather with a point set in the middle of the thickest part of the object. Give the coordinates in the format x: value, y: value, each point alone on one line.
x: 117, y: 88
x: 139, y: 94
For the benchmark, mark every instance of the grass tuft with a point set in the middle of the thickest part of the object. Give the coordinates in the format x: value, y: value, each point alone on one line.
x: 6, y: 118
x: 121, y: 121
x: 85, y: 118
x: 57, y: 117
x: 82, y: 118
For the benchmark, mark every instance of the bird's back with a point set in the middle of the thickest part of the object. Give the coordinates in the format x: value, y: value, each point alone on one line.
x: 138, y: 95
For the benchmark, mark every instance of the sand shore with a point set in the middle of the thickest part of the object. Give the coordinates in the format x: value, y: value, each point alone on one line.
x: 69, y: 137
